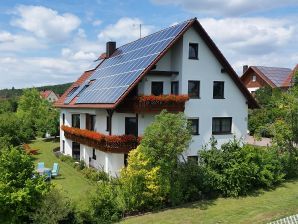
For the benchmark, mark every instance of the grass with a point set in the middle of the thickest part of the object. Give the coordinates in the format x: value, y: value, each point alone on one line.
x: 71, y: 181
x: 262, y: 208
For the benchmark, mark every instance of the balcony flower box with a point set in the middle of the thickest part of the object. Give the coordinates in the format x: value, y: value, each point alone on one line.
x: 172, y: 103
x: 106, y: 143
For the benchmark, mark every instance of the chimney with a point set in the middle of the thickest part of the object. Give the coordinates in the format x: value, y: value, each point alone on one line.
x: 111, y: 47
x: 245, y: 68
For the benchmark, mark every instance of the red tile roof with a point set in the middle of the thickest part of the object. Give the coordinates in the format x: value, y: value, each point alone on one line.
x: 287, y: 82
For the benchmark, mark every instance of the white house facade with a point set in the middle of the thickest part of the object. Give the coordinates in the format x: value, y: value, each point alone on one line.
x: 189, y: 66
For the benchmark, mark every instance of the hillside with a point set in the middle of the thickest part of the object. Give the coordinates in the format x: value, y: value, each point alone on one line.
x: 10, y: 93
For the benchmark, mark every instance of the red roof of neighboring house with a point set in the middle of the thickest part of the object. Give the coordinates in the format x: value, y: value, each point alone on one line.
x: 46, y: 93
x: 287, y: 82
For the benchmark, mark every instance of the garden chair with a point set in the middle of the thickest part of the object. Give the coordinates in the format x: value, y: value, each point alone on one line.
x: 48, y: 174
x: 40, y: 165
x: 55, y: 170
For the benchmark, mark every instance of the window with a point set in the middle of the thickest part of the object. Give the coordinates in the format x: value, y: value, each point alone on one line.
x: 75, y: 120
x: 194, y: 125
x: 93, y: 154
x: 125, y: 160
x: 63, y: 119
x: 254, y: 78
x: 218, y: 89
x: 221, y: 125
x: 72, y: 91
x: 157, y: 88
x: 108, y: 124
x: 193, y: 51
x: 76, y: 150
x: 175, y: 87
x: 63, y: 146
x: 90, y: 122
x: 131, y: 126
x: 192, y: 159
x: 194, y: 89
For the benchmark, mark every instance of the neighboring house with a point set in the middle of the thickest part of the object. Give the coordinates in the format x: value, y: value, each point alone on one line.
x: 118, y: 97
x: 255, y: 77
x: 49, y: 95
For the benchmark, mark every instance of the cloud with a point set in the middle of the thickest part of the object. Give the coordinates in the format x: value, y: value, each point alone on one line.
x: 125, y: 30
x: 255, y: 41
x: 17, y: 43
x: 226, y: 7
x: 45, y: 22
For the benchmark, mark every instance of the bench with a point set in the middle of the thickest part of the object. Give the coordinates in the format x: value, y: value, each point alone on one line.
x: 29, y: 150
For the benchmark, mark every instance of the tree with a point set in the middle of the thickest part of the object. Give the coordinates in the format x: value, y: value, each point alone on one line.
x: 42, y: 116
x: 54, y: 208
x: 149, y: 178
x: 20, y: 190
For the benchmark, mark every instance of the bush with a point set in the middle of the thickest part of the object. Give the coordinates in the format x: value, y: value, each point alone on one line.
x: 67, y: 159
x: 289, y: 160
x: 95, y: 175
x: 236, y: 170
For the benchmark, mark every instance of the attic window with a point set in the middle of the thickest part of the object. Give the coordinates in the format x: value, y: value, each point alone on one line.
x: 72, y: 91
x: 254, y: 78
x: 91, y: 82
x: 193, y: 51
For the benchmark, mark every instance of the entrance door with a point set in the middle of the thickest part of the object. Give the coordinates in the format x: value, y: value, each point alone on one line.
x: 76, y: 150
x: 131, y: 126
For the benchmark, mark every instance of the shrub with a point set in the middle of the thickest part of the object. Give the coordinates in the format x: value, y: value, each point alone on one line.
x: 95, y: 175
x: 289, y: 160
x: 236, y: 170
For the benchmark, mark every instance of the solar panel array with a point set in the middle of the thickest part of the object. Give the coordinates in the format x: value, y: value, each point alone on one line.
x: 115, y: 74
x: 276, y: 75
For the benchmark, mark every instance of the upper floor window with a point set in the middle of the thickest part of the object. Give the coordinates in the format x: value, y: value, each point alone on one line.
x: 193, y: 51
x: 131, y: 126
x: 194, y: 125
x: 254, y: 78
x: 218, y: 89
x: 175, y: 87
x: 75, y: 120
x: 63, y: 119
x: 157, y: 88
x: 194, y: 89
x: 193, y: 159
x: 90, y: 122
x: 221, y: 125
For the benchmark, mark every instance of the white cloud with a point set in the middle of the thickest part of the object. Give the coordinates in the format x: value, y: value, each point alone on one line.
x: 125, y: 30
x: 45, y: 22
x: 226, y: 7
x: 255, y: 41
x: 16, y: 43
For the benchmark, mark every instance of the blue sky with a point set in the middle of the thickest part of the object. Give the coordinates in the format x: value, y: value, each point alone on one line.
x: 52, y: 42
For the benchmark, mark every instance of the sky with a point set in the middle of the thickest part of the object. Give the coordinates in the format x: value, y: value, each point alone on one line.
x: 52, y: 42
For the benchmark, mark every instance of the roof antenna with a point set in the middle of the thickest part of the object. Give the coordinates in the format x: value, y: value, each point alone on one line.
x: 140, y: 28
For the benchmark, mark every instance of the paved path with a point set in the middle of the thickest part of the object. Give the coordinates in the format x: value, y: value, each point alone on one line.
x: 288, y: 220
x: 263, y: 142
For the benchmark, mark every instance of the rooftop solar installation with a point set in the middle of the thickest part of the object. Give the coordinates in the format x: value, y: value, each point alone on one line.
x: 115, y: 74
x: 276, y: 75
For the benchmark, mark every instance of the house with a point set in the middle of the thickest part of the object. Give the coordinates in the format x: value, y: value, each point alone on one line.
x: 49, y: 95
x: 179, y: 69
x: 255, y: 77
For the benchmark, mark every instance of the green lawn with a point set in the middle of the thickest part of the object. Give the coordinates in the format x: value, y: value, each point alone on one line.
x: 263, y: 208
x: 72, y: 182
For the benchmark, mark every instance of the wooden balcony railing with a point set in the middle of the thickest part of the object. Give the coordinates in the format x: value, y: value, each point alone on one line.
x: 106, y: 143
x: 171, y: 103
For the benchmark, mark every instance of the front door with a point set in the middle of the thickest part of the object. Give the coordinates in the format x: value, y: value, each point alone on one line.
x: 131, y: 126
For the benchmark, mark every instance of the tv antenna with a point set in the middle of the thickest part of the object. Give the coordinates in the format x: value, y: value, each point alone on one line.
x: 140, y: 28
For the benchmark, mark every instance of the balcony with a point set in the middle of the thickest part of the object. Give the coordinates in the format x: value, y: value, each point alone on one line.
x: 147, y: 104
x: 105, y: 143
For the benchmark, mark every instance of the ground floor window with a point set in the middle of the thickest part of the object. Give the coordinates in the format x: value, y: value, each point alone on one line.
x: 221, y: 125
x: 76, y: 151
x: 94, y: 154
x: 125, y: 160
x: 193, y: 159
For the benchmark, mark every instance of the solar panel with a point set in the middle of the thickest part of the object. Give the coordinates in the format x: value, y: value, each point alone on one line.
x: 276, y: 75
x: 115, y: 74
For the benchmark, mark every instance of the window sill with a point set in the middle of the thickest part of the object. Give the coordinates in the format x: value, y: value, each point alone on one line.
x: 195, y: 134
x: 226, y: 133
x: 219, y: 98
x: 193, y: 58
x: 194, y: 98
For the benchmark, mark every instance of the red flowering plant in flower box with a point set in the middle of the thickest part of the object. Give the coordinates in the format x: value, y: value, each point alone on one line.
x: 116, y: 143
x: 164, y: 99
